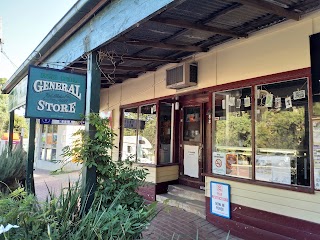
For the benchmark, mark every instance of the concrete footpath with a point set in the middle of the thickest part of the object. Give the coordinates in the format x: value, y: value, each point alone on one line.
x: 170, y: 223
x: 43, y: 181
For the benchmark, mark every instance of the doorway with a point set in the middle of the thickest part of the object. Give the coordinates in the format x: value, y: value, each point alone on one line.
x: 194, y: 144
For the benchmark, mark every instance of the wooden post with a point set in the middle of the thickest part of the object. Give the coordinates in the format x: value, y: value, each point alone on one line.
x: 11, y: 125
x: 30, y: 156
x: 92, y: 106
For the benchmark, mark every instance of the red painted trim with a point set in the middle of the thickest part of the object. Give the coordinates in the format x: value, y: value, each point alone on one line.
x: 251, y: 223
x: 261, y: 183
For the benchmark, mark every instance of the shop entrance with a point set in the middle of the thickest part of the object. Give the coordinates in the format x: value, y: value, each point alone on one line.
x: 194, y: 130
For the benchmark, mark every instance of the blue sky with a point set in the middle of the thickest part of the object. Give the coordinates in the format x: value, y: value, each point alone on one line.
x: 24, y: 24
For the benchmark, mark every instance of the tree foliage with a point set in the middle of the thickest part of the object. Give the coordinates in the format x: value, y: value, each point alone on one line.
x: 4, y: 115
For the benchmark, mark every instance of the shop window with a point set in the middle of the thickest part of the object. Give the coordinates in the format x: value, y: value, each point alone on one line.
x: 49, y: 136
x: 192, y: 126
x: 165, y: 133
x: 140, y: 134
x: 282, y: 133
x: 232, y: 148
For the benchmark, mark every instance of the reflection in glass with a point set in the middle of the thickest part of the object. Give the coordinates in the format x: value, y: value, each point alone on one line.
x: 147, y: 137
x: 129, y: 139
x: 166, y: 138
x: 282, y: 134
x: 232, y: 133
x: 192, y: 127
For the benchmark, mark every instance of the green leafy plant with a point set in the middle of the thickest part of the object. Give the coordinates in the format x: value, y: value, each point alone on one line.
x: 117, y: 212
x: 12, y: 168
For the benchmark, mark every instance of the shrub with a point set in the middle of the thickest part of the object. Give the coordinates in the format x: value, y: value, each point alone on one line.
x: 12, y: 167
x: 117, y: 212
x: 60, y: 217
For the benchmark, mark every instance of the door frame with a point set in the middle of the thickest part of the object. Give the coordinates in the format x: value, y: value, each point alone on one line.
x: 203, y: 100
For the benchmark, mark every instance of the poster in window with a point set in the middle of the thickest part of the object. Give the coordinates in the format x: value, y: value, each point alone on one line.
x: 281, y: 170
x: 273, y: 168
x: 288, y: 102
x: 269, y: 100
x: 223, y: 104
x: 232, y: 164
x: 247, y: 102
x: 232, y: 101
x: 219, y: 163
x: 263, y: 168
x: 191, y: 159
x: 277, y: 102
x: 316, y: 152
x: 238, y: 103
x: 299, y: 95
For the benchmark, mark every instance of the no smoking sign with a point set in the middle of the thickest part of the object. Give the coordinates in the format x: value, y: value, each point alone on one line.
x: 219, y: 160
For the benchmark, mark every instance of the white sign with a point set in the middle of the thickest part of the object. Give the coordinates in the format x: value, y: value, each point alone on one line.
x: 219, y: 163
x: 316, y: 152
x: 220, y: 199
x: 299, y: 94
x: 191, y: 158
x: 288, y: 102
x: 273, y: 168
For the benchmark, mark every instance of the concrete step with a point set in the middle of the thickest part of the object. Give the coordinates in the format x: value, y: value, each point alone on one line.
x: 194, y: 206
x: 187, y: 192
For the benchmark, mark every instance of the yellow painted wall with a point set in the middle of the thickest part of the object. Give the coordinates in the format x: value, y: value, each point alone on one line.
x: 280, y: 48
x: 151, y: 177
x: 166, y: 174
x: 289, y: 203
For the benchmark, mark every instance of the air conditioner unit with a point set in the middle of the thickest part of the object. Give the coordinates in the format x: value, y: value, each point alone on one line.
x: 183, y: 75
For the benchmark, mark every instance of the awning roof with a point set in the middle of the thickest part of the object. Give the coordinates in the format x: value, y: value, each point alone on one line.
x: 190, y: 27
x: 180, y: 31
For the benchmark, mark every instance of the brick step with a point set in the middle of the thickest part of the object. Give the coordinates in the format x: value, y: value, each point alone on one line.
x: 194, y: 206
x: 187, y: 192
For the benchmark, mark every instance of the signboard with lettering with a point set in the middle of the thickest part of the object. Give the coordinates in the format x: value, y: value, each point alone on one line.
x: 60, y: 122
x: 55, y: 94
x: 220, y: 199
x: 17, y: 96
x: 133, y: 123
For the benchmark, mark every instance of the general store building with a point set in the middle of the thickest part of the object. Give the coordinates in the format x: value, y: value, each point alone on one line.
x: 207, y: 91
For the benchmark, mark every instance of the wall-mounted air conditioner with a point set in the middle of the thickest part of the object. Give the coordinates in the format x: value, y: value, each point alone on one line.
x: 183, y: 75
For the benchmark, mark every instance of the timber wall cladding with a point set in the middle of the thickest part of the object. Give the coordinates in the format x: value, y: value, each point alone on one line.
x: 166, y: 174
x: 284, y: 202
x: 252, y: 224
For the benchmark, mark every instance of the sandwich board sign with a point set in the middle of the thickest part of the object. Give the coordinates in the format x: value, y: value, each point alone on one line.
x: 220, y: 199
x: 55, y: 94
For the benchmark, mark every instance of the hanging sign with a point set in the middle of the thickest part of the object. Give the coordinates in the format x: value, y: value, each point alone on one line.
x: 299, y: 95
x: 55, y: 94
x: 220, y: 199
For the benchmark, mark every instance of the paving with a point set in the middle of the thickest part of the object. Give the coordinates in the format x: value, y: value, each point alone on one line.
x: 175, y: 223
x: 170, y: 223
x: 44, y: 181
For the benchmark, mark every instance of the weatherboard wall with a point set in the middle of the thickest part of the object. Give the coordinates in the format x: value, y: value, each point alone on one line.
x: 280, y: 48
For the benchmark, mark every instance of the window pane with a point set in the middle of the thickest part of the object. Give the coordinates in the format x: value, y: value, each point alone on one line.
x: 147, y: 138
x: 129, y: 139
x: 191, y: 131
x: 166, y: 120
x: 282, y: 133
x: 232, y: 150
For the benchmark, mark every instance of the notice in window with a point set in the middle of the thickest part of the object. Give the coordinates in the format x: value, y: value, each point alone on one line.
x: 219, y: 163
x: 316, y: 152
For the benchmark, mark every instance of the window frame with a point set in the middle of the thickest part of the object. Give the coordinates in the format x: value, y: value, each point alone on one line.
x: 138, y: 107
x: 269, y: 79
